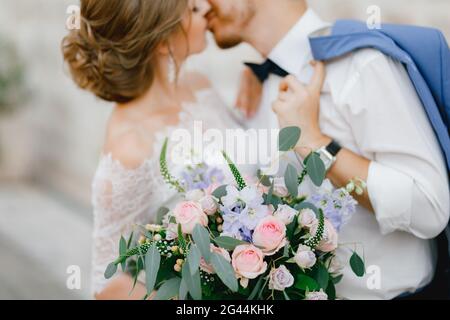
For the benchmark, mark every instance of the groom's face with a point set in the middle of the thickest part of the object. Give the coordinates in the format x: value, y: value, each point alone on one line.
x: 227, y: 19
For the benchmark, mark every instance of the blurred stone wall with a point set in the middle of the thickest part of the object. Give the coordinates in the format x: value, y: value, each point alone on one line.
x: 57, y: 138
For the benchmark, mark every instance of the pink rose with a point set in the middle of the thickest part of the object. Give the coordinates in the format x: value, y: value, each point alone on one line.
x: 307, y: 218
x: 209, y: 205
x: 330, y: 237
x: 248, y: 263
x: 209, y: 268
x: 189, y: 214
x: 270, y: 235
x: 305, y: 258
x: 280, y: 279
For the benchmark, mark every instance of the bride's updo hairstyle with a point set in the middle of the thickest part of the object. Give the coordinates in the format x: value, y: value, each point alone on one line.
x: 113, y: 53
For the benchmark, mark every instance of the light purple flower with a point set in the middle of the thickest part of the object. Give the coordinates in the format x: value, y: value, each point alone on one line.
x: 231, y: 225
x: 338, y: 206
x: 201, y: 177
x: 280, y: 279
x: 252, y: 215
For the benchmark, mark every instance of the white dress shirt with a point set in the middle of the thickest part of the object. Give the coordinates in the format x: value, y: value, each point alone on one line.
x: 370, y: 107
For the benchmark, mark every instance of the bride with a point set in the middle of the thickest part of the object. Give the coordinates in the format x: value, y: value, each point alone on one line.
x: 129, y: 52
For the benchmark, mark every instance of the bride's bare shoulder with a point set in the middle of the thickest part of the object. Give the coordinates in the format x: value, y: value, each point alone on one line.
x: 195, y: 81
x: 126, y: 141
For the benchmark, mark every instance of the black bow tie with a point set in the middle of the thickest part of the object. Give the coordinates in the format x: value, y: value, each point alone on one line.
x: 262, y: 71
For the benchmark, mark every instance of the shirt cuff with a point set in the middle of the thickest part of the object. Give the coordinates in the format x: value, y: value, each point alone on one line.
x: 390, y: 193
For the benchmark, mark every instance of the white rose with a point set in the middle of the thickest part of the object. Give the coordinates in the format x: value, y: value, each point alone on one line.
x: 279, y: 187
x: 307, y: 218
x: 209, y: 205
x: 316, y: 295
x: 195, y: 195
x: 285, y: 213
x: 305, y: 258
x: 335, y: 265
x: 172, y: 231
x: 280, y: 279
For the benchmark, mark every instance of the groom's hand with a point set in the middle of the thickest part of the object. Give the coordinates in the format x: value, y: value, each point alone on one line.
x: 299, y: 105
x: 250, y: 92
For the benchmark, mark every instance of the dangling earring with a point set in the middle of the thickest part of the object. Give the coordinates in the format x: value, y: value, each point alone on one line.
x: 172, y: 70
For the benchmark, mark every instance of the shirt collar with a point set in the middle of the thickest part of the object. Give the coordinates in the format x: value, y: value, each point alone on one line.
x: 293, y: 51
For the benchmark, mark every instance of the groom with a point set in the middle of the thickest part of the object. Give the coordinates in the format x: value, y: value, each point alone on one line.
x: 370, y: 125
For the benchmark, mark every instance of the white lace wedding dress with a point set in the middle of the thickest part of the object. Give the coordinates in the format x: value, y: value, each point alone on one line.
x: 123, y: 198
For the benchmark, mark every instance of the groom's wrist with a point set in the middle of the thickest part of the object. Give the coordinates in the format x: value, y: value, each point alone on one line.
x: 305, y: 148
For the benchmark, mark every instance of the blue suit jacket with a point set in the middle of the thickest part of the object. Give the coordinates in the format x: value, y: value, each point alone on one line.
x: 426, y: 56
x: 423, y: 51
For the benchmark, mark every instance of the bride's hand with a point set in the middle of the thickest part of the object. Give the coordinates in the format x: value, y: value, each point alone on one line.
x: 250, y: 92
x: 298, y: 105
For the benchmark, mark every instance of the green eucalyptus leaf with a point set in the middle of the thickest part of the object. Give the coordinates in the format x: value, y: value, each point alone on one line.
x: 183, y: 291
x: 276, y: 201
x: 192, y: 282
x: 264, y: 179
x: 307, y: 205
x: 220, y: 192
x: 123, y: 251
x: 288, y: 138
x: 110, y: 270
x: 122, y: 246
x: 224, y: 271
x: 316, y: 169
x: 130, y: 240
x: 194, y: 258
x: 357, y: 265
x: 169, y: 289
x: 152, y: 264
x: 228, y: 243
x: 160, y: 214
x: 291, y: 181
x: 201, y: 239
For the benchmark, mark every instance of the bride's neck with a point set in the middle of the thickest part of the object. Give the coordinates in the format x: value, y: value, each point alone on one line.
x: 161, y: 97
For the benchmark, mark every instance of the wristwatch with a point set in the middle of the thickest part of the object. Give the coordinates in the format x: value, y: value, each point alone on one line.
x: 328, y: 154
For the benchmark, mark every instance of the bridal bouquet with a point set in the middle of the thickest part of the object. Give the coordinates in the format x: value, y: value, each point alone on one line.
x: 255, y: 239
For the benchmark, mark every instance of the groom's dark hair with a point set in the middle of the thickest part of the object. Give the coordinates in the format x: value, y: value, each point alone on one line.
x: 112, y: 54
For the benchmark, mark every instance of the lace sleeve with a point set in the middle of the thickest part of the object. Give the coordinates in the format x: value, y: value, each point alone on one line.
x: 121, y: 199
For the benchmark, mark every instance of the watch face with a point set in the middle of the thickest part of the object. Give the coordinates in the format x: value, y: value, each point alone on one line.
x: 326, y: 158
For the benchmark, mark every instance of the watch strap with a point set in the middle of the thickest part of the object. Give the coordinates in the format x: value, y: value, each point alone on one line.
x: 333, y: 148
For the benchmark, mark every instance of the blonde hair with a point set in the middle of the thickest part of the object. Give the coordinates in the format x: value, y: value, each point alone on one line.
x: 113, y: 53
